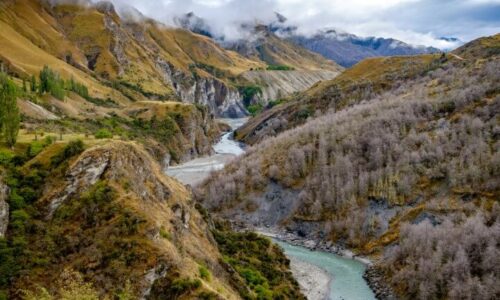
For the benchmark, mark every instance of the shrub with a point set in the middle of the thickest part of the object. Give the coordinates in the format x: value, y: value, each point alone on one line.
x: 184, y: 285
x: 5, y: 157
x: 204, y: 272
x: 73, y: 148
x: 165, y: 234
x: 255, y: 109
x: 35, y: 148
x: 103, y: 134
x: 248, y: 92
x: 279, y: 68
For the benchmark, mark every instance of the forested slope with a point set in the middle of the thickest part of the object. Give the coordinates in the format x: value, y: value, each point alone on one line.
x: 421, y: 157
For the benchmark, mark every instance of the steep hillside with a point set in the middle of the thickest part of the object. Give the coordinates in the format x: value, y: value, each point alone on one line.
x: 276, y: 85
x: 349, y: 49
x: 409, y: 176
x: 105, y: 222
x: 127, y: 57
x: 361, y: 82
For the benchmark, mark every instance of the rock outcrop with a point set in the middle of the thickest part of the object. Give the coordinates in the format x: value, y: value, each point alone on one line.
x: 223, y: 101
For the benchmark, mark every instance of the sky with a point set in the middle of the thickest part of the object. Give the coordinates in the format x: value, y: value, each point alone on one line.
x: 418, y: 22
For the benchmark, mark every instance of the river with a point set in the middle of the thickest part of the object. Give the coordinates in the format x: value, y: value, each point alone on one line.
x: 196, y: 170
x: 344, y: 279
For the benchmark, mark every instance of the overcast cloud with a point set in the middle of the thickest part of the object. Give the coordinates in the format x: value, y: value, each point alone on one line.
x: 419, y: 22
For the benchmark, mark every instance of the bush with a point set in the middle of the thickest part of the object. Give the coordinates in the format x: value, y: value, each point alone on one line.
x: 5, y: 157
x: 279, y: 68
x: 204, y: 272
x: 73, y: 148
x: 165, y: 234
x: 34, y: 149
x: 255, y: 109
x: 248, y: 92
x: 103, y: 134
x: 184, y: 285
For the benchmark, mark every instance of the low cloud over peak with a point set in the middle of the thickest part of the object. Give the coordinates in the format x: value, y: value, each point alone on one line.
x: 418, y: 22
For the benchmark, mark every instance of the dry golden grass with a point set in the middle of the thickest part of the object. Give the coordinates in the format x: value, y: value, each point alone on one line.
x: 29, y: 59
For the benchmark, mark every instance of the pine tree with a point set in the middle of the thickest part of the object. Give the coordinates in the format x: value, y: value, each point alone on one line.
x: 9, y: 112
x: 33, y: 83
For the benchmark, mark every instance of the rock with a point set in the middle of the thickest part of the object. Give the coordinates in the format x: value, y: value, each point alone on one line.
x: 376, y: 281
x: 222, y: 100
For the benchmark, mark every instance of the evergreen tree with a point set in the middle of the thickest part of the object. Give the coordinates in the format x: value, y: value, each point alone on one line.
x: 45, y: 75
x: 25, y: 89
x: 9, y: 112
x: 50, y: 82
x: 33, y: 83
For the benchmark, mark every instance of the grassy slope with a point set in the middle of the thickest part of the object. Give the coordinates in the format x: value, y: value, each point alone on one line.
x: 26, y: 58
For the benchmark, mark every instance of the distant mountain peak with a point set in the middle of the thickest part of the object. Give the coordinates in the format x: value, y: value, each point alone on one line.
x: 348, y: 49
x: 193, y: 23
x: 281, y: 18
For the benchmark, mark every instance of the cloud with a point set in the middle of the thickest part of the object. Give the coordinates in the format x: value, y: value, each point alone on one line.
x: 419, y: 22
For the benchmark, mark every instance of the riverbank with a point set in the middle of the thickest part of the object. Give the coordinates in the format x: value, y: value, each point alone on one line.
x: 313, y: 245
x: 372, y: 275
x: 313, y: 281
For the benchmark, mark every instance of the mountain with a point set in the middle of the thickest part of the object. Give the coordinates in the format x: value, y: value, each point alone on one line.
x: 102, y: 102
x: 289, y: 68
x: 126, y: 56
x: 367, y: 79
x: 259, y: 42
x: 118, y: 63
x: 344, y: 48
x: 396, y: 159
x: 348, y: 49
x: 195, y: 24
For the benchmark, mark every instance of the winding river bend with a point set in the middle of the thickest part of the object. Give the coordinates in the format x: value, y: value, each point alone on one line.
x: 345, y: 275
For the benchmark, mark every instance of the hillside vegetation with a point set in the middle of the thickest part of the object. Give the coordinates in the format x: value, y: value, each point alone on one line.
x: 104, y: 222
x: 361, y: 82
x: 410, y: 175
